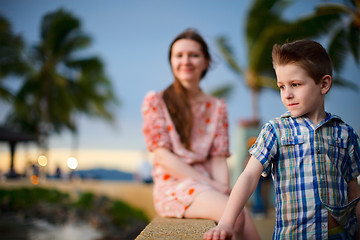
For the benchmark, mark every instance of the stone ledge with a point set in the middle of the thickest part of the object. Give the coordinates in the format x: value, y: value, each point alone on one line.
x: 176, y: 229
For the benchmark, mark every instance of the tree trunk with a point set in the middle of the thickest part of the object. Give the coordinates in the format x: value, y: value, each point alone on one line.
x: 255, y: 104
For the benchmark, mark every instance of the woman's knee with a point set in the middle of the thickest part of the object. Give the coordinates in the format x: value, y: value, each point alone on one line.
x: 208, y: 204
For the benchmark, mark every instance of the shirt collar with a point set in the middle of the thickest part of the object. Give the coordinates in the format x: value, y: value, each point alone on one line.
x: 329, y: 117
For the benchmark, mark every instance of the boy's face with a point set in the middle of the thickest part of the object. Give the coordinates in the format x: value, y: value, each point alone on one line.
x: 299, y: 92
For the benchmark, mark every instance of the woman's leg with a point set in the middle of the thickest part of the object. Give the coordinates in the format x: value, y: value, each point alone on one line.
x: 211, y: 205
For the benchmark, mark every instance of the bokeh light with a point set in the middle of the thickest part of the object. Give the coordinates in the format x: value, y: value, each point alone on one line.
x: 72, y: 163
x: 42, y: 160
x: 34, y: 179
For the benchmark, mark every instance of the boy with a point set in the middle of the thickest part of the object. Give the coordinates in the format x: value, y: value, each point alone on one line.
x: 313, y: 156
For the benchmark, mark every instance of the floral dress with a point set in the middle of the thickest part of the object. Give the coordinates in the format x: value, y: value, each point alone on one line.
x: 209, y: 138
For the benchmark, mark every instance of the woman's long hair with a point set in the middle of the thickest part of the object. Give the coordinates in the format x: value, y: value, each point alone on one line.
x: 176, y: 96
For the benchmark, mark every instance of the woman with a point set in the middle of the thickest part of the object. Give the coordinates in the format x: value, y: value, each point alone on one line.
x: 187, y: 130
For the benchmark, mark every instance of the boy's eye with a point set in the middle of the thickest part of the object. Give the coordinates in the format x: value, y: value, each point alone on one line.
x: 281, y: 87
x: 295, y: 84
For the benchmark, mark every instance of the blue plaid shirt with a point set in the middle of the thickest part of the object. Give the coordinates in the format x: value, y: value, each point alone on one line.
x: 310, y: 166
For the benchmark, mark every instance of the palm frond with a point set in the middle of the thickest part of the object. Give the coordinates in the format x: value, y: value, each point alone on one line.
x: 349, y: 26
x: 60, y: 32
x: 75, y: 43
x: 263, y: 14
x: 308, y: 26
x: 342, y: 82
x: 223, y: 92
x: 62, y: 85
x: 354, y: 40
x: 338, y: 49
x: 228, y: 54
x: 12, y: 61
x: 6, y: 95
x: 333, y: 8
x: 313, y: 25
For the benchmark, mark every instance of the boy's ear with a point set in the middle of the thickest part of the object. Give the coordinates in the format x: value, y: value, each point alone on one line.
x: 326, y: 84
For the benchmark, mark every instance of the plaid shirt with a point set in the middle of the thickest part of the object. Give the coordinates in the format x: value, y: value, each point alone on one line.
x: 310, y: 166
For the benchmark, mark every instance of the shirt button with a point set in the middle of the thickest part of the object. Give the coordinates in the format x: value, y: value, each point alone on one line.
x: 318, y: 151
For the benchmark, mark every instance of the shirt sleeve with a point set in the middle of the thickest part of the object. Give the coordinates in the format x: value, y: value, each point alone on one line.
x: 353, y: 156
x: 265, y: 148
x: 154, y: 127
x: 220, y: 146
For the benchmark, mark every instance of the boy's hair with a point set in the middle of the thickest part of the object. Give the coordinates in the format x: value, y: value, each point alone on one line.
x: 307, y: 54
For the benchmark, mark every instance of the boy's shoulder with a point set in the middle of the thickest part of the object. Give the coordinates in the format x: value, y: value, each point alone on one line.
x: 287, y: 121
x: 333, y: 120
x: 287, y: 117
x: 282, y: 121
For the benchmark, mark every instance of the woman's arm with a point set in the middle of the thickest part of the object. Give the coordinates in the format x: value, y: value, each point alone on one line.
x: 178, y: 168
x: 219, y: 150
x: 244, y: 187
x: 220, y: 171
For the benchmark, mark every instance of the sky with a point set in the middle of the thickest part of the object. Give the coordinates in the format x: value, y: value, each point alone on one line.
x: 132, y: 38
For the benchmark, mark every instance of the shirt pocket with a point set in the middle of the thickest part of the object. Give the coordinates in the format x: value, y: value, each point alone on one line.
x: 333, y: 171
x: 291, y: 150
x: 336, y: 150
x: 292, y: 140
x: 337, y: 142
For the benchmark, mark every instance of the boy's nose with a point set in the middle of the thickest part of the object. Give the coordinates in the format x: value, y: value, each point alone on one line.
x: 289, y: 94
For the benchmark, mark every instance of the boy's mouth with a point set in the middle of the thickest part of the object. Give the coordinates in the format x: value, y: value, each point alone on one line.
x: 292, y: 104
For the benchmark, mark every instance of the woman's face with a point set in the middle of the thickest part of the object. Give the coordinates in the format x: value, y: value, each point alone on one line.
x: 188, y: 62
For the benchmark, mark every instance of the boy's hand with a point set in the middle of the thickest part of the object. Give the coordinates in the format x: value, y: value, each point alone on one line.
x: 220, y: 232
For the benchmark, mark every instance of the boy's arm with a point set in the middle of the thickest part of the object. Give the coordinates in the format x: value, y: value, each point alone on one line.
x: 244, y: 187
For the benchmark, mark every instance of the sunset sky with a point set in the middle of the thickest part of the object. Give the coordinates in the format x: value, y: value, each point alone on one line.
x: 132, y: 38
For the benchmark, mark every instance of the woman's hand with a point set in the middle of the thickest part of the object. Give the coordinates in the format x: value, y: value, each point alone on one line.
x: 219, y: 232
x: 223, y: 188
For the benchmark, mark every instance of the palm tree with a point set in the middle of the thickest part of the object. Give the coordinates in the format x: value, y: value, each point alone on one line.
x: 12, y: 60
x: 345, y: 35
x: 62, y: 83
x: 266, y: 26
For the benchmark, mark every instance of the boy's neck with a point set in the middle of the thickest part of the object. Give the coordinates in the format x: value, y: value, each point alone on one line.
x: 317, y: 118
